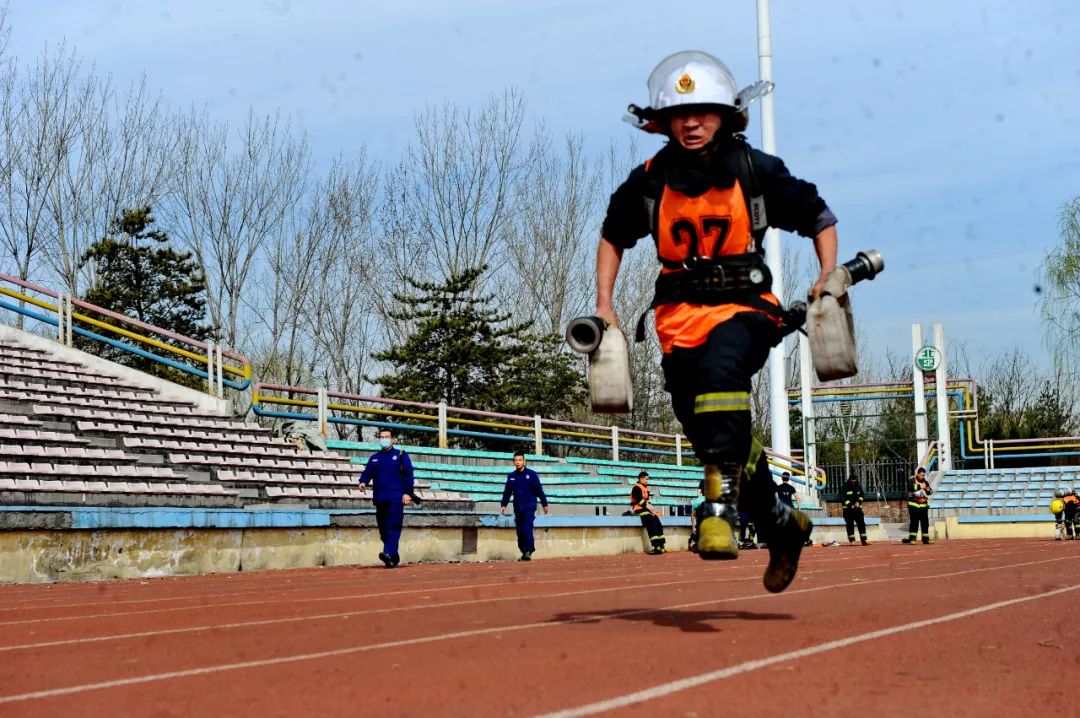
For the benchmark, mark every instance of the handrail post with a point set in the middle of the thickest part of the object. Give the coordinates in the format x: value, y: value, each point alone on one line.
x: 323, y: 413
x: 614, y: 443
x: 678, y: 449
x: 60, y: 319
x: 70, y: 320
x: 444, y: 442
x: 220, y: 374
x: 538, y: 435
x: 210, y: 367
x: 63, y: 318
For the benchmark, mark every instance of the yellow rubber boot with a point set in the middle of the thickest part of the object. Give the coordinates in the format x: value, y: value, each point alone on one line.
x: 717, y: 517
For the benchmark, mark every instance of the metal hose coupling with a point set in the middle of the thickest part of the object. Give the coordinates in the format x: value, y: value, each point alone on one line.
x: 611, y: 389
x: 866, y: 265
x: 585, y: 333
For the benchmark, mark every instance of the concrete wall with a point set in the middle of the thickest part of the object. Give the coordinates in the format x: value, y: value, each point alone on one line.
x: 42, y: 556
x: 998, y: 529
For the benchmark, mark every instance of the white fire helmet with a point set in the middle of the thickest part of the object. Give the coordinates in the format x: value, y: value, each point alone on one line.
x: 691, y: 77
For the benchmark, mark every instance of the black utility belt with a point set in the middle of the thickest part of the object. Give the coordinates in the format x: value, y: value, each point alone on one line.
x: 730, y: 280
x: 741, y: 279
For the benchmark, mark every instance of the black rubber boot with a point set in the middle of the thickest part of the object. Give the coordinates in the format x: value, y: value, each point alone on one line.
x: 786, y: 538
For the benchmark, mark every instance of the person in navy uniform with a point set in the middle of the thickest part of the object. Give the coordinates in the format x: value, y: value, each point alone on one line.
x: 392, y: 471
x: 526, y: 489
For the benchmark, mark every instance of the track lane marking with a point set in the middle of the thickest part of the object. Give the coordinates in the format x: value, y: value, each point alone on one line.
x: 436, y: 638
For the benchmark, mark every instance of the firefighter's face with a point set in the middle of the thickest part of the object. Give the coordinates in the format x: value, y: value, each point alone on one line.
x: 694, y: 128
x: 519, y: 462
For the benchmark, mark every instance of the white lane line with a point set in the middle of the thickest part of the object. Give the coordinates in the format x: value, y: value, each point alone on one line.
x: 347, y: 597
x: 349, y: 650
x: 410, y: 591
x: 727, y: 569
x: 666, y: 689
x: 495, y: 571
x: 58, y: 601
x: 638, y: 586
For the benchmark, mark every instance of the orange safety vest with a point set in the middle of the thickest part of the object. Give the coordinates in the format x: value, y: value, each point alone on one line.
x: 1070, y: 499
x: 642, y: 505
x: 712, y: 225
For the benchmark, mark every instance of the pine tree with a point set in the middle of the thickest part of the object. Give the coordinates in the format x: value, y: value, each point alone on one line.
x: 135, y: 274
x: 456, y: 347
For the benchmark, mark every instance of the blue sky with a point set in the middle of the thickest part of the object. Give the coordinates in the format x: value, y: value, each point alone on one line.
x: 943, y: 134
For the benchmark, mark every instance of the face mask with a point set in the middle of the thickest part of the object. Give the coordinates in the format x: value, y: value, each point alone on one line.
x: 384, y: 443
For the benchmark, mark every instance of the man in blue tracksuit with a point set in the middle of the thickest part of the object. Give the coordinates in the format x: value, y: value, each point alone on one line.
x: 525, y: 485
x: 392, y: 471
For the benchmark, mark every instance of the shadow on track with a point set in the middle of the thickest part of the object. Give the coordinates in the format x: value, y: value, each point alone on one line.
x: 688, y: 621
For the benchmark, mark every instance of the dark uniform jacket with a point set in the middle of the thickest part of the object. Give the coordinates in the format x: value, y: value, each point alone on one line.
x: 919, y: 502
x: 526, y: 489
x: 853, y: 494
x: 392, y: 472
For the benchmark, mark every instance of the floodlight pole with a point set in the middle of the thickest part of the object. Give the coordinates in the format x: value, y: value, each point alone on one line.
x: 778, y: 406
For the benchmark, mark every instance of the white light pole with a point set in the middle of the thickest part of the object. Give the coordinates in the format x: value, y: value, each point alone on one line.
x: 778, y: 406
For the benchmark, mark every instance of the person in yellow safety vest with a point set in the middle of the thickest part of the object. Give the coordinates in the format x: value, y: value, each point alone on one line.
x: 1070, y: 511
x: 919, y: 507
x: 707, y: 199
x: 641, y: 506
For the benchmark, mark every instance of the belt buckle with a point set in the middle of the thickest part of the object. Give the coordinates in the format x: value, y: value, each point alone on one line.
x: 691, y: 263
x: 717, y: 267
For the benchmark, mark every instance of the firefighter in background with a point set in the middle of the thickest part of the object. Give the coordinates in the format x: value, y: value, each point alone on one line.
x: 698, y: 500
x: 1057, y: 508
x: 707, y: 198
x: 853, y: 512
x: 525, y: 488
x: 641, y: 506
x: 392, y: 471
x: 747, y: 532
x: 919, y: 507
x: 1069, y: 514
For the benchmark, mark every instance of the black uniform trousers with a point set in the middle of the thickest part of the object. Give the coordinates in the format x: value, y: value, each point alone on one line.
x: 653, y: 526
x: 854, y: 517
x: 720, y: 431
x: 919, y: 517
x: 1070, y: 513
x: 390, y: 517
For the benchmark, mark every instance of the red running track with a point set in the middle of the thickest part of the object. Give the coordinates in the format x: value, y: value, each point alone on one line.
x: 962, y: 628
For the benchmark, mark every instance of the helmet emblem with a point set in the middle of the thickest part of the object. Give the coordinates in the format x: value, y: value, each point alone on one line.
x: 684, y: 84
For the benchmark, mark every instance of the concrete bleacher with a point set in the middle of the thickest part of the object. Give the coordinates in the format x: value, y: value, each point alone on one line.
x: 1000, y: 491
x: 602, y: 485
x: 77, y: 430
x: 74, y: 433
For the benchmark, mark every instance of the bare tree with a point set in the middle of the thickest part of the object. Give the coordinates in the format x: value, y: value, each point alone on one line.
x: 317, y: 307
x: 40, y: 121
x: 457, y: 194
x: 341, y: 310
x: 1060, y: 300
x: 120, y: 157
x: 231, y: 199
x: 549, y: 272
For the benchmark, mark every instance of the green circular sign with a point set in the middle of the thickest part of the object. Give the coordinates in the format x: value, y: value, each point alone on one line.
x: 928, y: 358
